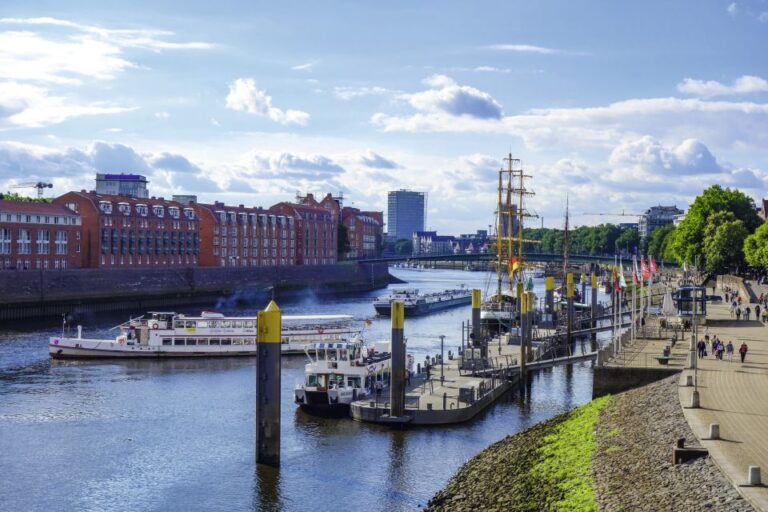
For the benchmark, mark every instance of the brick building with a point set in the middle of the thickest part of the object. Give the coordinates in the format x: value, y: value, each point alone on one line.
x: 121, y: 231
x: 316, y: 228
x: 237, y: 236
x: 365, y: 231
x: 39, y: 236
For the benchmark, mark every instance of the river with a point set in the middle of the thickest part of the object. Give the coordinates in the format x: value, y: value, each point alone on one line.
x: 179, y: 434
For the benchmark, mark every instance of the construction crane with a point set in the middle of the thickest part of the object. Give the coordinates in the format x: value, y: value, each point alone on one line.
x: 38, y: 185
x: 620, y: 214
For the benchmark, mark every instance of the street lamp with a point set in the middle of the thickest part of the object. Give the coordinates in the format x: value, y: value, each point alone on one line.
x: 442, y: 361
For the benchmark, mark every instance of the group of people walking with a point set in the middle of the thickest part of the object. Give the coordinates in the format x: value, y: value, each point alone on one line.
x: 717, y: 348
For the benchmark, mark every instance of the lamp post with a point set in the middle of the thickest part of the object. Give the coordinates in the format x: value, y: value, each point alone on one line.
x: 442, y: 362
x: 695, y: 396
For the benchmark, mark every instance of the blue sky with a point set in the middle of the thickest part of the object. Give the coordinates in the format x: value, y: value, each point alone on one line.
x: 620, y: 105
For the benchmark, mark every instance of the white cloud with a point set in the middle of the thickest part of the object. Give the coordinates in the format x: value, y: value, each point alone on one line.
x: 162, y: 115
x: 448, y: 97
x: 732, y: 9
x: 245, y: 97
x: 307, y: 66
x: 376, y: 161
x: 349, y: 93
x: 491, y: 69
x: 763, y: 17
x: 649, y: 155
x: 531, y: 48
x: 290, y: 166
x: 31, y: 106
x: 743, y: 85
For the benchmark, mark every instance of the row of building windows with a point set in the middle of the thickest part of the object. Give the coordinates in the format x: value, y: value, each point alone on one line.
x: 42, y: 241
x: 148, y: 260
x: 40, y: 219
x: 43, y: 264
x: 247, y: 242
x: 157, y: 242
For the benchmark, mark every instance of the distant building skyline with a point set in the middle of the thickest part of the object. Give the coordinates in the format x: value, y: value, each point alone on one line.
x: 131, y: 185
x: 406, y: 213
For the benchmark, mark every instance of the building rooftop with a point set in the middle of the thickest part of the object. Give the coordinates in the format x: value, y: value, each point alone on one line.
x: 34, y: 208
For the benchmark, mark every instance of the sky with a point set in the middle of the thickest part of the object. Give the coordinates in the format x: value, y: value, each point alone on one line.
x: 619, y: 106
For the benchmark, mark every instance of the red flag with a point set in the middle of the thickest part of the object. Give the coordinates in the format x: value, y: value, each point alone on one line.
x: 646, y: 273
x: 616, y: 282
x: 635, y: 277
x: 653, y: 266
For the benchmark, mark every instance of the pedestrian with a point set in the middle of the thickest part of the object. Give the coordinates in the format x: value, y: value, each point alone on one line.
x: 747, y: 311
x: 757, y: 312
x: 729, y: 351
x: 732, y: 308
x: 738, y: 313
x: 743, y: 350
x: 720, y: 349
x: 702, y: 347
x: 706, y: 334
x: 738, y: 299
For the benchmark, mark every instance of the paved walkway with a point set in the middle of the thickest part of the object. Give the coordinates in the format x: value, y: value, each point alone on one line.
x: 735, y: 396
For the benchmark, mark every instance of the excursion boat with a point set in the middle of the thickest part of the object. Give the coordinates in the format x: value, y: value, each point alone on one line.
x: 415, y: 303
x: 337, y: 374
x: 168, y: 334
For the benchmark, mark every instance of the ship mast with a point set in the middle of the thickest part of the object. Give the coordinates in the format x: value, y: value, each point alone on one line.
x: 499, y: 239
x: 566, y: 240
x: 516, y: 187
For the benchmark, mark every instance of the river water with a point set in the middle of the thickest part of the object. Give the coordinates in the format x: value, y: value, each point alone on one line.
x: 179, y: 434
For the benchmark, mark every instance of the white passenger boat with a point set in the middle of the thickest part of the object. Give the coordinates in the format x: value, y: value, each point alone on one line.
x: 415, y: 303
x: 168, y: 334
x: 340, y: 373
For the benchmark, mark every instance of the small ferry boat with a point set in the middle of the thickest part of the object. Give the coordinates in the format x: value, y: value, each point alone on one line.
x: 337, y: 374
x: 168, y: 334
x: 415, y: 303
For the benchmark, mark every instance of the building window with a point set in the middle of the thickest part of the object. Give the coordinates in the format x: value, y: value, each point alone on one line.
x: 23, y: 242
x: 5, y: 241
x: 61, y: 242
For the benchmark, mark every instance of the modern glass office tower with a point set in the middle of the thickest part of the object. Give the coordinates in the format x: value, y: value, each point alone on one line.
x: 406, y: 213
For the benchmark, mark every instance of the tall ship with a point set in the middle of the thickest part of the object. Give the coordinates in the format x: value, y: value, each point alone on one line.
x: 500, y: 312
x: 416, y: 303
x: 211, y: 334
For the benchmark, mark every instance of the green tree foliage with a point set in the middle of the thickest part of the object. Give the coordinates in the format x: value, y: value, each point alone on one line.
x: 657, y: 243
x: 687, y: 244
x: 756, y: 247
x: 594, y: 240
x: 404, y: 247
x: 13, y: 196
x: 724, y: 237
x: 628, y: 240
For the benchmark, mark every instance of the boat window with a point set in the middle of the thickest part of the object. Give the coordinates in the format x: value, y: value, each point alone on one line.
x: 213, y: 324
x: 353, y: 382
x: 237, y: 324
x: 190, y: 323
x: 191, y: 341
x: 248, y: 324
x: 321, y: 380
x: 202, y: 323
x: 285, y: 339
x: 178, y: 341
x: 202, y: 341
x: 226, y: 324
x: 343, y: 354
x: 311, y: 379
x: 166, y: 341
x: 214, y: 341
x: 226, y: 341
x: 237, y: 341
x: 178, y: 324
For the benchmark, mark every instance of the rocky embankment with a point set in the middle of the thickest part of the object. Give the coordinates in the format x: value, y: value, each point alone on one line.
x: 614, y: 453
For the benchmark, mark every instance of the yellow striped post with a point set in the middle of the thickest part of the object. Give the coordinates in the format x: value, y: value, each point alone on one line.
x: 477, y: 341
x: 397, y: 377
x: 269, y: 327
x: 549, y: 301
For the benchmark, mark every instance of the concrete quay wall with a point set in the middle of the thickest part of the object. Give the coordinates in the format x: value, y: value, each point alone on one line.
x: 38, y: 294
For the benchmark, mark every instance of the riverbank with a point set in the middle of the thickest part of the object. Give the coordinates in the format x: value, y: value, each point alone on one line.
x: 614, y: 453
x: 35, y: 294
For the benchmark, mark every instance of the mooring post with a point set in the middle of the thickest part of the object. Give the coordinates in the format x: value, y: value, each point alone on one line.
x: 476, y: 331
x: 269, y: 326
x: 593, y: 324
x: 530, y: 317
x: 583, y: 288
x: 523, y: 307
x: 549, y: 300
x: 397, y: 386
x: 569, y: 310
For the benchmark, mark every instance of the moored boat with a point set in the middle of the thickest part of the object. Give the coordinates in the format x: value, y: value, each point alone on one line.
x: 168, y: 334
x: 416, y: 303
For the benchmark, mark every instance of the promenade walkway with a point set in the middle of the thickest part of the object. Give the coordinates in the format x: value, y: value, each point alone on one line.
x: 735, y: 396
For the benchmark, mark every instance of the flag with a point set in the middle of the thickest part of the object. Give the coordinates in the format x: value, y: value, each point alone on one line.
x: 513, y: 264
x: 622, y: 282
x: 635, y: 273
x: 653, y: 266
x: 646, y: 273
x: 616, y: 282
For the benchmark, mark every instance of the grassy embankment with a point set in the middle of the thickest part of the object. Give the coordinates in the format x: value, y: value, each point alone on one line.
x: 546, y: 467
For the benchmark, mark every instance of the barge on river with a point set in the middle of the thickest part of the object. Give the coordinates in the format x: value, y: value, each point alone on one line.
x: 167, y: 334
x: 415, y: 303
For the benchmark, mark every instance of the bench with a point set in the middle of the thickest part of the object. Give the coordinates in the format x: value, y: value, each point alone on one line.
x: 663, y: 359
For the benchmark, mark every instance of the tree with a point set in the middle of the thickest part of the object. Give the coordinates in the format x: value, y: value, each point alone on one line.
x: 628, y: 240
x: 658, y: 241
x: 724, y: 242
x: 342, y: 242
x: 756, y: 247
x: 687, y: 244
x: 404, y: 247
x: 13, y: 196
